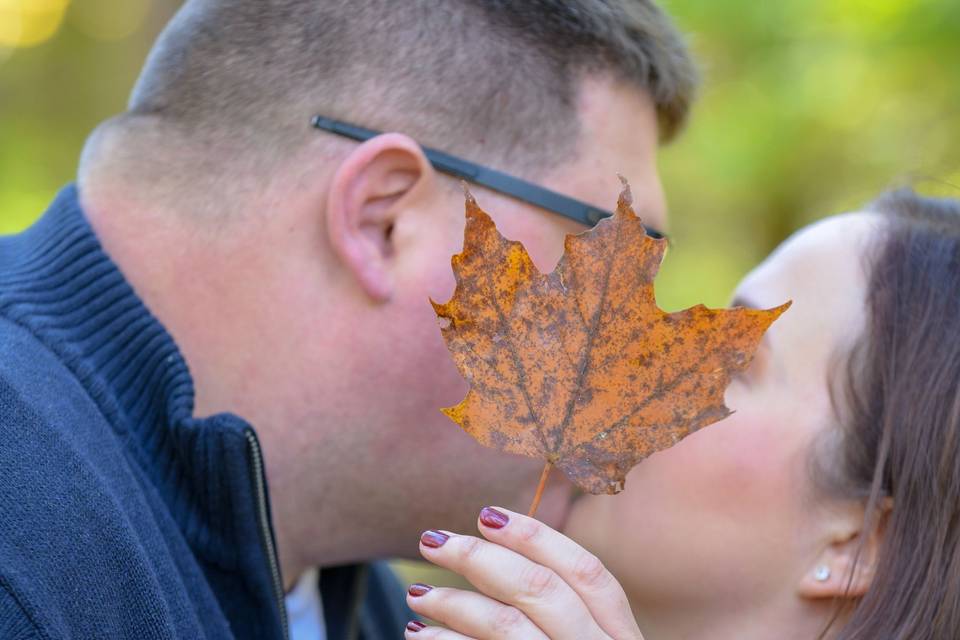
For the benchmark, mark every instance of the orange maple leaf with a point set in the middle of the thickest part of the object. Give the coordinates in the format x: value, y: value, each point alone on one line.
x: 580, y: 367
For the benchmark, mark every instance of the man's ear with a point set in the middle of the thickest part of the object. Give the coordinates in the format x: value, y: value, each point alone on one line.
x: 367, y: 194
x: 846, y: 565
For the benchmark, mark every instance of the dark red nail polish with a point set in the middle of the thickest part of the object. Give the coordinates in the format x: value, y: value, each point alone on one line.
x: 415, y: 626
x: 492, y: 518
x: 418, y: 589
x: 433, y: 538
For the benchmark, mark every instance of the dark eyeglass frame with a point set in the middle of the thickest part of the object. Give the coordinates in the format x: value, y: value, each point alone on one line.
x: 498, y: 181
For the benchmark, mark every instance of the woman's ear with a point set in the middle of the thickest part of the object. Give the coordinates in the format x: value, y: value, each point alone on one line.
x: 846, y: 565
x: 367, y: 195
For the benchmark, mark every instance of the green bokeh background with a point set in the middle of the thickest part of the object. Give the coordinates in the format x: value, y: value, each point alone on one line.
x: 809, y: 107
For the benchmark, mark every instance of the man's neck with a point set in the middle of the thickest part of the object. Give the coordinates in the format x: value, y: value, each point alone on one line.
x: 240, y: 354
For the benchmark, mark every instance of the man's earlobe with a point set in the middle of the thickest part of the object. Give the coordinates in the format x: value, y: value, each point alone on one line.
x: 366, y: 200
x: 846, y: 566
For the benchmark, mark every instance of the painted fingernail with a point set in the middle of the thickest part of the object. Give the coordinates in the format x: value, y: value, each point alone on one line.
x: 492, y: 518
x: 415, y: 625
x: 418, y: 589
x: 433, y: 539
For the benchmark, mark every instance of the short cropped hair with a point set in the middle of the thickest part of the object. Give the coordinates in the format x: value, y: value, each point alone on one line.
x: 492, y: 80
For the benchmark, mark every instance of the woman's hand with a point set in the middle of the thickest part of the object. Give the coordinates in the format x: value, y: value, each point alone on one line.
x: 534, y: 583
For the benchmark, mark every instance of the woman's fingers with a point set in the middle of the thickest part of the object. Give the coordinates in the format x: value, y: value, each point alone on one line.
x: 576, y: 566
x: 507, y: 576
x: 419, y: 631
x: 472, y: 614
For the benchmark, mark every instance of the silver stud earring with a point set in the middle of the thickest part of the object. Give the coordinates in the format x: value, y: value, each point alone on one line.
x: 822, y: 573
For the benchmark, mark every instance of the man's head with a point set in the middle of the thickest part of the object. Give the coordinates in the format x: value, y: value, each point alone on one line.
x: 234, y: 82
x: 294, y: 267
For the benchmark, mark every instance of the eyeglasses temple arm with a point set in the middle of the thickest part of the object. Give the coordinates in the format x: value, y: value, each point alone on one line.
x: 490, y: 178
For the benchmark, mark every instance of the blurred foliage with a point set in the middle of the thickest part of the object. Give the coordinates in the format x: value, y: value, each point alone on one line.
x: 809, y: 107
x: 64, y: 67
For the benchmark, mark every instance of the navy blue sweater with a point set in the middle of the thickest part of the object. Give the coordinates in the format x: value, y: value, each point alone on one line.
x: 122, y: 515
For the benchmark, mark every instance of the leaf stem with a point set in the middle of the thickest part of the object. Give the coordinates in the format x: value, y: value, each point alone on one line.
x: 539, y: 494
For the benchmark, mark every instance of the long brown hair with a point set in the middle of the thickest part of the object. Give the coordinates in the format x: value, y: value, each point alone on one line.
x: 901, y: 423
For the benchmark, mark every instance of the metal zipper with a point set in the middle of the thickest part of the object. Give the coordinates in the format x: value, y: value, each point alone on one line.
x: 263, y: 518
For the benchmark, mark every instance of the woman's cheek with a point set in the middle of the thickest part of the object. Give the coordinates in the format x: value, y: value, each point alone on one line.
x: 735, y: 466
x: 717, y: 502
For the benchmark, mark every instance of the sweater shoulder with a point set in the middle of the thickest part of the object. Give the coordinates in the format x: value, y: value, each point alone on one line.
x: 16, y: 623
x: 47, y: 417
x: 72, y: 515
x: 31, y: 368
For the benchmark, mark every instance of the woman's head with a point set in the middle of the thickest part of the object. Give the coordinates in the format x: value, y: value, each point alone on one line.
x: 763, y: 516
x: 899, y: 404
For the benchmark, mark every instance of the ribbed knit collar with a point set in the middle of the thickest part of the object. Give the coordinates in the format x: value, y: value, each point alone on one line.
x: 58, y: 283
